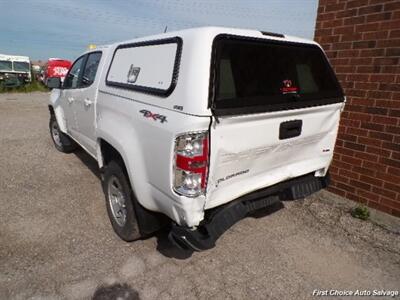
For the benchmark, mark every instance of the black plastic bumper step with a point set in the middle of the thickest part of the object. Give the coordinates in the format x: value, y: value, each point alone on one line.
x: 220, y: 219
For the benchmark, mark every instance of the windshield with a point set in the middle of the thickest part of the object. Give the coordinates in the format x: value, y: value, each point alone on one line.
x: 260, y: 73
x: 21, y: 66
x: 5, y: 65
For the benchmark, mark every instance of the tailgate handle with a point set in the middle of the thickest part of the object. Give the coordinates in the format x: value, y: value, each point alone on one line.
x: 290, y: 129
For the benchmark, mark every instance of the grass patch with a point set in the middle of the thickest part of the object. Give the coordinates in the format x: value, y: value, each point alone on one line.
x: 360, y: 212
x: 34, y: 86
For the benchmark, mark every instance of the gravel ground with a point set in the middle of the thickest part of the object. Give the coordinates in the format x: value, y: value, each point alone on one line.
x: 56, y: 241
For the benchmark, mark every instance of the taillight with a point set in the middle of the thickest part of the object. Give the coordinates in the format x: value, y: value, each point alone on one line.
x: 191, y: 163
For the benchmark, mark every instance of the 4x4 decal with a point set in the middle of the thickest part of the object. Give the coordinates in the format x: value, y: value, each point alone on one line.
x: 155, y: 117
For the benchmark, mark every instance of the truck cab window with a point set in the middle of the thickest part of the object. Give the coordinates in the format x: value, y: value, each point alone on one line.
x: 89, y: 74
x: 5, y: 65
x: 72, y: 79
x: 21, y: 66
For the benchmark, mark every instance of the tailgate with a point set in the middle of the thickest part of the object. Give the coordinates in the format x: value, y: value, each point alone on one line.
x: 247, y: 153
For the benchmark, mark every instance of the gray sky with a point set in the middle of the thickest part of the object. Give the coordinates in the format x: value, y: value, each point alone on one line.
x: 64, y: 28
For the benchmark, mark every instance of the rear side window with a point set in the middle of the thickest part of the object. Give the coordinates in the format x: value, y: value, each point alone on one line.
x: 149, y: 67
x: 255, y: 75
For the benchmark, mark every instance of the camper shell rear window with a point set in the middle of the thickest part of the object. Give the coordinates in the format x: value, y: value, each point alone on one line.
x: 150, y: 67
x: 251, y: 75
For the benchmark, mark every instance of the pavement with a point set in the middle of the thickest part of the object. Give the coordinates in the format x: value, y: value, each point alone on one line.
x: 56, y: 241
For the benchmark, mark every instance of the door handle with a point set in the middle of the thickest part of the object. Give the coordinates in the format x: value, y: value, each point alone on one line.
x: 87, y: 102
x: 70, y: 100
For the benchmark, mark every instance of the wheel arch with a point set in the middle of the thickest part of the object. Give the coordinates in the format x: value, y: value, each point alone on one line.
x: 148, y: 221
x: 110, y: 147
x: 107, y: 152
x: 57, y: 110
x: 51, y: 109
x: 59, y: 115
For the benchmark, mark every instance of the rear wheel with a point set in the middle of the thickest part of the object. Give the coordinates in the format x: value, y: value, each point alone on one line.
x: 62, y: 142
x: 119, y: 202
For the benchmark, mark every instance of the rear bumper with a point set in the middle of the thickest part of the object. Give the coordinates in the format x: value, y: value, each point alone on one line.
x: 221, y: 218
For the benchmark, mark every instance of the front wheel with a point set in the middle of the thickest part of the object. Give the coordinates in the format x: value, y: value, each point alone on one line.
x: 62, y: 142
x: 119, y: 202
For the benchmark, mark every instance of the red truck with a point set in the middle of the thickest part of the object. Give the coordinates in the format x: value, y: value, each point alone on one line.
x: 56, y: 67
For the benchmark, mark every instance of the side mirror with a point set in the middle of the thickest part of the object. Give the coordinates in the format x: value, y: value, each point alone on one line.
x: 53, y: 82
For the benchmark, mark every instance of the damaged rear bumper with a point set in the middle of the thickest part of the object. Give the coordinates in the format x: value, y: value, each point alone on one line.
x: 220, y: 219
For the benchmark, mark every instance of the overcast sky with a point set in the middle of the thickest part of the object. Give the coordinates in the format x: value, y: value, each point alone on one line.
x: 64, y: 28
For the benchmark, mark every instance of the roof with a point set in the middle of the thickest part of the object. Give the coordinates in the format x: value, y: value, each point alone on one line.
x: 209, y: 32
x: 14, y: 57
x: 212, y: 32
x: 56, y: 58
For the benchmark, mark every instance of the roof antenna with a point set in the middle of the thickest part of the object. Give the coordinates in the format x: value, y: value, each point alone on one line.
x: 165, y: 30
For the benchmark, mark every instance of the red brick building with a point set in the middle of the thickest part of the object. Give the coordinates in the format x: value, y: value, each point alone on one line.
x: 362, y: 41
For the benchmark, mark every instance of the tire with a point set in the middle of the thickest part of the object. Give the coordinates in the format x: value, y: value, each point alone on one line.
x: 62, y: 142
x: 119, y: 202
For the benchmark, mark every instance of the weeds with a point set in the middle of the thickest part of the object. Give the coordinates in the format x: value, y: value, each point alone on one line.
x: 360, y: 212
x: 34, y: 86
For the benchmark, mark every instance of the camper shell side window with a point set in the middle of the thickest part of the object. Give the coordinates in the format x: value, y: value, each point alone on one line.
x: 150, y: 67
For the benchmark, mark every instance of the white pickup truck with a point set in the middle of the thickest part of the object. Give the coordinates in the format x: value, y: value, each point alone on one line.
x: 200, y: 127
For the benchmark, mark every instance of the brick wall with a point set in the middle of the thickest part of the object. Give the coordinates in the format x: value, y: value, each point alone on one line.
x: 362, y: 40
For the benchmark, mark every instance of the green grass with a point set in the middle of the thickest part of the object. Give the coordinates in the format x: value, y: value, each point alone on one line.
x: 360, y: 212
x: 34, y: 86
